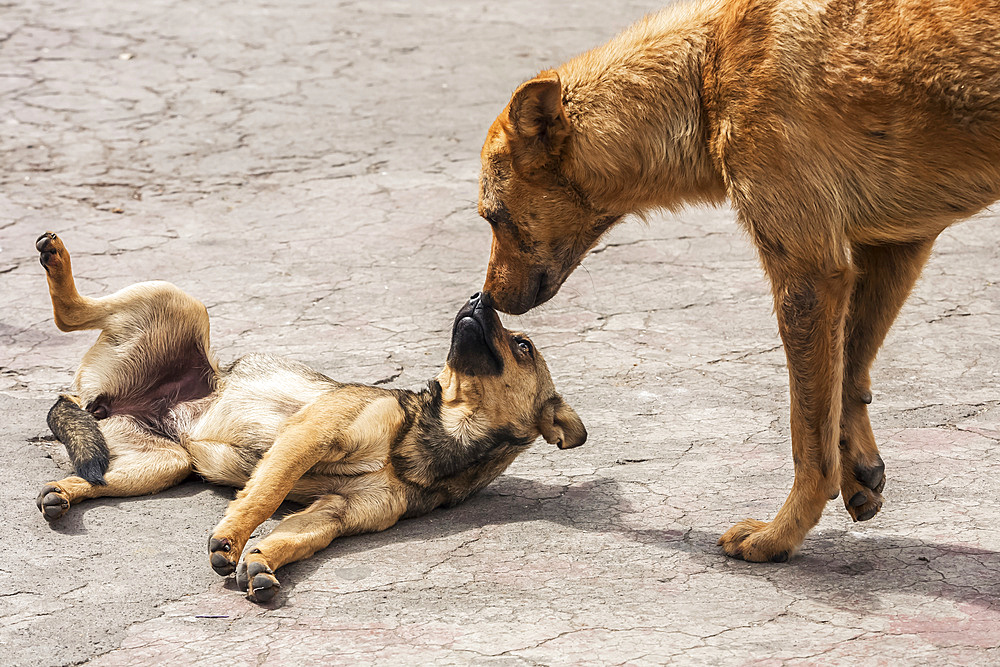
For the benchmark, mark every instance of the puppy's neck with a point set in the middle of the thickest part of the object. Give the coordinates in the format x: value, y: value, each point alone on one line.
x: 639, y: 133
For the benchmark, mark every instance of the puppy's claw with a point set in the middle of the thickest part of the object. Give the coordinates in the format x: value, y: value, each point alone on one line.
x: 258, y: 580
x: 218, y: 545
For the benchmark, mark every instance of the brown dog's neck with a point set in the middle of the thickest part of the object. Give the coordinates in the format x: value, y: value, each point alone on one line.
x: 639, y: 134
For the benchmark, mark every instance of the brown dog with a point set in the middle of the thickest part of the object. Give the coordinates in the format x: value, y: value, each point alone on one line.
x: 151, y: 404
x: 847, y: 134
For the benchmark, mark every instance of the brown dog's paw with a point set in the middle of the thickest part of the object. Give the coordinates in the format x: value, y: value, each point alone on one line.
x: 752, y: 541
x: 52, y: 502
x: 862, y: 488
x: 254, y: 576
x: 223, y: 555
x: 51, y: 251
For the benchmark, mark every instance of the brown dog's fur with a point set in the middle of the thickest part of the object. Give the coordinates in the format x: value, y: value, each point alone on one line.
x: 151, y: 405
x: 847, y: 134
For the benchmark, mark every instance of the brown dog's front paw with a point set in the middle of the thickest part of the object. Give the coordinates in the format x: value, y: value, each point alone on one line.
x: 254, y: 576
x: 223, y: 555
x: 862, y: 489
x: 52, y: 502
x: 51, y: 251
x: 752, y: 540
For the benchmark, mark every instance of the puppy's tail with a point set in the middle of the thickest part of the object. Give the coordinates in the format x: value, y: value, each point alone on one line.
x: 77, y: 429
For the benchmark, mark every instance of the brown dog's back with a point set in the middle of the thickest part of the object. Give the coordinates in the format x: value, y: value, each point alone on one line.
x: 880, y: 118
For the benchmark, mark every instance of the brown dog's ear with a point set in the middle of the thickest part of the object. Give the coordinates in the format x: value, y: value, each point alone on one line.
x: 560, y: 425
x: 536, y: 111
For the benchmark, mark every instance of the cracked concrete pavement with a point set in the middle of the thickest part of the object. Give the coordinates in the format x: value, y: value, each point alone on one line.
x: 308, y: 170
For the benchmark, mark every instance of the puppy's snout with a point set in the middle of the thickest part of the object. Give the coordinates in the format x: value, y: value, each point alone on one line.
x: 481, y: 300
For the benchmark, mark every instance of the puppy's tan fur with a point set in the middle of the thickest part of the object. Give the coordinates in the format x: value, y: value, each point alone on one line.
x: 150, y: 394
x: 847, y: 134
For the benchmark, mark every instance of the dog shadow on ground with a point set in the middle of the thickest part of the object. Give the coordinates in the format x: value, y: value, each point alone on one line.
x: 74, y: 522
x: 838, y: 568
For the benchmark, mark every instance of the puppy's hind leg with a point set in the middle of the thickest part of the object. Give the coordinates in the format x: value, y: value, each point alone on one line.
x: 141, y: 463
x: 72, y: 310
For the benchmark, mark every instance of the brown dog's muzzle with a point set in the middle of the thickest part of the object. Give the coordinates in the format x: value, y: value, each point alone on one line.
x: 516, y: 291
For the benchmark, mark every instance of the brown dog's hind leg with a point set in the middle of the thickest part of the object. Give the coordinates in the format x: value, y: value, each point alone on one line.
x: 886, y: 274
x: 141, y: 464
x: 811, y: 305
x: 302, y: 534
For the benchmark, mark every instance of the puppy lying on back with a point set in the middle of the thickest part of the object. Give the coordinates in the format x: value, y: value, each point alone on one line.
x: 151, y: 405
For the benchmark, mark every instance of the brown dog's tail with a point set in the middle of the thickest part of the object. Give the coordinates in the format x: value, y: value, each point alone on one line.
x: 78, y: 431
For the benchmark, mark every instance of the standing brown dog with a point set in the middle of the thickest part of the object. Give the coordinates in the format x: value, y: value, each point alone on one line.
x: 847, y: 134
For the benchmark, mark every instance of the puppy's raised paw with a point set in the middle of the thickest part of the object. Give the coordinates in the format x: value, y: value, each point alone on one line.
x: 51, y: 251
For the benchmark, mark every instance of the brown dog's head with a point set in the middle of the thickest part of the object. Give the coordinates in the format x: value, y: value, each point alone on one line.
x: 496, y: 380
x: 543, y: 222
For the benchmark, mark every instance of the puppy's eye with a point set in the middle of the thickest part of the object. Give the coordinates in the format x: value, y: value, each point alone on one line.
x: 524, y: 345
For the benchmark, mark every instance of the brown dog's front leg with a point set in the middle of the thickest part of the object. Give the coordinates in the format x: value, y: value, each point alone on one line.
x: 886, y: 274
x: 811, y: 307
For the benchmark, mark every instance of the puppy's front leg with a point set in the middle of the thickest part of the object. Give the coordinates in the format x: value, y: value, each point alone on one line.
x: 365, y: 504
x: 298, y: 447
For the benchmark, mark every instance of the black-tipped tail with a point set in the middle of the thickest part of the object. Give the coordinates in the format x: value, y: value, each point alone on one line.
x: 78, y: 430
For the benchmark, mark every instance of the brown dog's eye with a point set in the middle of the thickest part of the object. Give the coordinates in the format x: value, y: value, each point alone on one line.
x: 524, y: 345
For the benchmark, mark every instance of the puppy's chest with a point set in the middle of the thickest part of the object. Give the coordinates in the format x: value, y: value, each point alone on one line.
x: 364, y: 445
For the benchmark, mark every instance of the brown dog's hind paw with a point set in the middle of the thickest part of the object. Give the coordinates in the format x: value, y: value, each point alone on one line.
x: 257, y: 579
x: 52, y: 502
x: 222, y: 555
x: 750, y: 540
x: 51, y: 251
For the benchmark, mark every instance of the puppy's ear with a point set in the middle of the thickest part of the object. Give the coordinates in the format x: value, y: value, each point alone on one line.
x: 536, y: 112
x: 560, y: 425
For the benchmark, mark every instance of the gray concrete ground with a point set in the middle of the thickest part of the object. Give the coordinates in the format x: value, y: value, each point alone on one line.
x: 308, y: 169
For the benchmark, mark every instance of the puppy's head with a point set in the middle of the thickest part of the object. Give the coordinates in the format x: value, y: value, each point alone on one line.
x: 543, y: 223
x: 495, y: 379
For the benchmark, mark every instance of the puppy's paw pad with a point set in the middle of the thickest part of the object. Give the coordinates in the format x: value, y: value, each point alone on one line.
x: 221, y: 556
x: 871, y: 476
x: 258, y: 580
x: 52, y: 502
x: 51, y: 250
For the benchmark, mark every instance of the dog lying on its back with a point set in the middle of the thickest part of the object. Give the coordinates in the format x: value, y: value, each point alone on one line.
x: 151, y: 405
